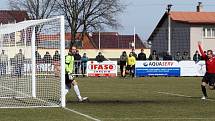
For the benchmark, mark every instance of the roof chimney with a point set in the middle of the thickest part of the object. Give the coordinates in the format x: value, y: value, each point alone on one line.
x: 199, y: 7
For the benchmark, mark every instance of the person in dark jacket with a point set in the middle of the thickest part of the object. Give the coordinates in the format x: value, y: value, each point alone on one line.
x: 56, y: 63
x: 77, y: 58
x: 141, y: 55
x: 197, y: 57
x: 3, y: 63
x: 84, y: 60
x: 153, y: 56
x: 167, y: 56
x: 122, y: 61
x: 19, y: 60
x: 56, y: 56
x: 47, y: 58
x: 38, y: 57
x: 178, y: 57
x: 134, y: 54
x: 100, y: 57
x: 185, y: 56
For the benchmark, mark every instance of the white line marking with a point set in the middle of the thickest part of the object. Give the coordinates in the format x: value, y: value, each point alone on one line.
x: 29, y: 96
x: 106, y: 92
x: 173, y: 94
x: 79, y: 113
x: 96, y: 92
x: 158, y: 119
x: 180, y: 95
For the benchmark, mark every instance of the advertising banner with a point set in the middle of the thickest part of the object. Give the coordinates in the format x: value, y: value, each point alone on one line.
x: 157, y: 68
x: 188, y: 68
x: 191, y: 68
x: 106, y: 68
x: 200, y: 68
x: 170, y: 68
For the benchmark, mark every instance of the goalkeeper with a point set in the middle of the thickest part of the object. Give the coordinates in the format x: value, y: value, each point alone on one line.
x: 69, y: 78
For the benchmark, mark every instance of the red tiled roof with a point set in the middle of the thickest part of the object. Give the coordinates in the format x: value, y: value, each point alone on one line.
x: 193, y: 17
x: 87, y: 44
x: 186, y: 17
x: 110, y: 40
x: 114, y: 40
x: 11, y: 16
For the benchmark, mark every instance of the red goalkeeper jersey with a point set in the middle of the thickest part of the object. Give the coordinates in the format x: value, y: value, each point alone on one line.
x: 210, y: 63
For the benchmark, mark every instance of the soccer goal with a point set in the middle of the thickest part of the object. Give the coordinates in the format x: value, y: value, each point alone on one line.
x: 32, y: 63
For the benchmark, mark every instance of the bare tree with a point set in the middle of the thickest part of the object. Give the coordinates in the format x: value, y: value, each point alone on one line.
x: 89, y: 15
x: 36, y: 9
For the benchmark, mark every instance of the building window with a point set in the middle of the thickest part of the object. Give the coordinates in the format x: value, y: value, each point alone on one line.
x: 213, y: 32
x: 204, y: 32
x: 209, y: 32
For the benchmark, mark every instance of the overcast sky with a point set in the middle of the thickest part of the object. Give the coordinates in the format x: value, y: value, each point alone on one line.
x: 145, y: 14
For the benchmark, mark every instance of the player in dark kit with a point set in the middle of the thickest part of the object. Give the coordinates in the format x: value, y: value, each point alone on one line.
x: 209, y: 77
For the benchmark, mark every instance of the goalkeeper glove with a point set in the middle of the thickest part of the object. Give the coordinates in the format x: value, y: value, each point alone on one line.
x: 71, y: 77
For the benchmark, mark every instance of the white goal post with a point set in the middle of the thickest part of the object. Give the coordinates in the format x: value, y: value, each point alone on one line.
x: 32, y: 64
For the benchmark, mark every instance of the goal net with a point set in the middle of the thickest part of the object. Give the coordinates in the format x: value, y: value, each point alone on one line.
x: 32, y: 64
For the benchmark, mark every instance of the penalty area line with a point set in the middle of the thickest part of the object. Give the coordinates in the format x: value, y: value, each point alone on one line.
x: 84, y: 115
x: 180, y: 95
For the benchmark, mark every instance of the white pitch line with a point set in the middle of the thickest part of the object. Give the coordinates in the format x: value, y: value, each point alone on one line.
x: 158, y: 119
x: 106, y: 92
x: 180, y: 95
x: 96, y: 92
x: 173, y: 94
x: 85, y: 115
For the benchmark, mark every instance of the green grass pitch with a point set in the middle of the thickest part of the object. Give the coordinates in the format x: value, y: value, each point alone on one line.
x: 138, y: 99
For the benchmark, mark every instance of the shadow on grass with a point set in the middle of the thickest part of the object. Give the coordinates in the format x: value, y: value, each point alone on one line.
x: 125, y: 102
x: 154, y: 101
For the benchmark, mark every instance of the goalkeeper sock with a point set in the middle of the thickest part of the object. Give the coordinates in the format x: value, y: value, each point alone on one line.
x: 77, y: 91
x: 66, y: 91
x: 204, y: 91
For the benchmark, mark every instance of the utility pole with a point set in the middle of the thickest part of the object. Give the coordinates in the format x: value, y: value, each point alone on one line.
x: 134, y: 38
x: 169, y: 27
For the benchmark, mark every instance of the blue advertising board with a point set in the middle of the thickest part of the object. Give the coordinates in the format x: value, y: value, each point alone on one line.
x: 157, y: 68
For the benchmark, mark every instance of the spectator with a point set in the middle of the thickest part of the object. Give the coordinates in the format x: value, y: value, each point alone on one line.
x: 3, y: 63
x: 178, y: 57
x: 77, y: 58
x: 122, y: 62
x: 56, y: 56
x: 47, y: 58
x: 197, y: 57
x: 38, y: 57
x: 141, y: 55
x: 100, y: 57
x: 134, y: 54
x: 84, y: 60
x: 56, y: 62
x: 19, y: 63
x: 153, y: 56
x: 185, y: 56
x: 167, y: 56
x: 131, y: 64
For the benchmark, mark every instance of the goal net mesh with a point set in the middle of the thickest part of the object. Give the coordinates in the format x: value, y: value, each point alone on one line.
x: 30, y: 63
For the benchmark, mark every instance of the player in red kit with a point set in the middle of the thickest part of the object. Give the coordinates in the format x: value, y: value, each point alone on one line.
x: 209, y: 77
